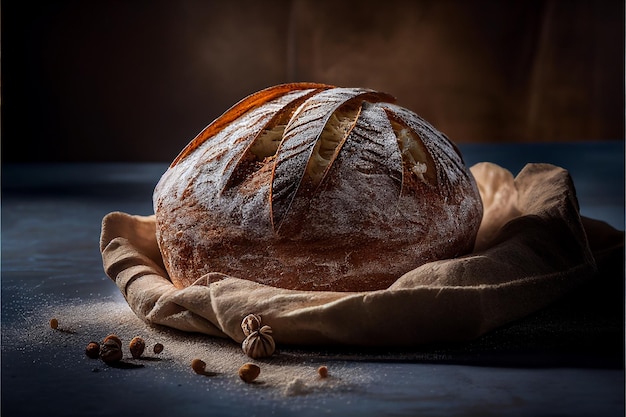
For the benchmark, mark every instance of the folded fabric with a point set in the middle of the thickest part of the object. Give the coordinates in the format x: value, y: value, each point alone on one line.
x: 531, y: 249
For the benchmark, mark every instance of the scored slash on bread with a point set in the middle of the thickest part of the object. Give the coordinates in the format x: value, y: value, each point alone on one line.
x: 310, y: 144
x: 309, y: 135
x: 253, y: 100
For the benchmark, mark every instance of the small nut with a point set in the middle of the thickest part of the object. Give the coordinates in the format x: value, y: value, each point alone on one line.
x: 54, y: 323
x: 251, y: 323
x: 136, y: 347
x: 249, y: 372
x: 158, y: 348
x: 198, y: 366
x: 110, y: 351
x: 92, y: 350
x: 115, y: 338
x: 259, y: 344
x: 322, y: 371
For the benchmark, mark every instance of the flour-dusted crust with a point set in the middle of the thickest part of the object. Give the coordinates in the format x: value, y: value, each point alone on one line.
x: 313, y: 187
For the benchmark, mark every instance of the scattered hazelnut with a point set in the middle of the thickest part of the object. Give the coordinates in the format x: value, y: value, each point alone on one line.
x: 93, y: 350
x: 110, y: 351
x: 115, y: 338
x: 322, y: 371
x: 198, y: 366
x: 137, y: 346
x: 158, y: 348
x: 54, y: 323
x: 249, y: 372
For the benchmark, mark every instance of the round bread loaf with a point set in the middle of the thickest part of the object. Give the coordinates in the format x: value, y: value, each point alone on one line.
x: 313, y: 187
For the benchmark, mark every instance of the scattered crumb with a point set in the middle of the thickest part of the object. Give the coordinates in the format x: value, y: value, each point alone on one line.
x: 296, y: 387
x: 91, y: 320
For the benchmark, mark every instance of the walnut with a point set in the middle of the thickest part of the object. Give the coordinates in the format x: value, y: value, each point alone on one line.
x: 110, y: 351
x: 251, y: 323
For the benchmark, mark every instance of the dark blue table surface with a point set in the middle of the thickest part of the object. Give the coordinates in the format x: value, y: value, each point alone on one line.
x: 51, y: 216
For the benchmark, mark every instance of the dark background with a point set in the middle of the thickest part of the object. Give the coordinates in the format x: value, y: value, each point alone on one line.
x: 136, y: 80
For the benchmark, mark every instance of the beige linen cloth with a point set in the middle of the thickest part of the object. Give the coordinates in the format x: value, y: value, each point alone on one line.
x: 531, y: 249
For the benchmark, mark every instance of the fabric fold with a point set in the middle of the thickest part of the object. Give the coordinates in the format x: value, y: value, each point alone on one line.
x: 531, y: 249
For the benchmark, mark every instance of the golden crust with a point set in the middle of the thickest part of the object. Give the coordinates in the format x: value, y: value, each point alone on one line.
x: 316, y: 188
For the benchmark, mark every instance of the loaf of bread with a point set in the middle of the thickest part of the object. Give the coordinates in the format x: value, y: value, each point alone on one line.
x: 313, y: 187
